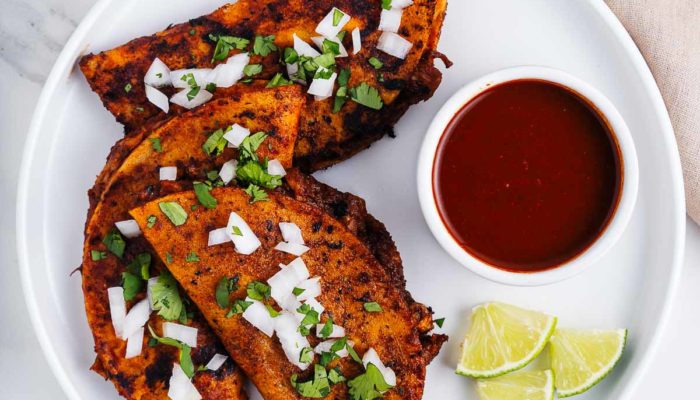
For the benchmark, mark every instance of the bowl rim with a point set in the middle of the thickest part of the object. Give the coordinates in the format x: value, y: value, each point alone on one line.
x: 612, y: 231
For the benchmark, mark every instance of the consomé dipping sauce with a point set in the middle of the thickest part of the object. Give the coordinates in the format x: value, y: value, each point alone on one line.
x: 527, y: 176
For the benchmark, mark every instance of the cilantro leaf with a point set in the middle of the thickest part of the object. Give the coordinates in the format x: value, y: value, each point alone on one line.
x: 307, y: 355
x: 367, y: 96
x: 258, y: 291
x: 278, y: 80
x: 174, y: 211
x: 264, y: 45
x: 256, y: 194
x: 155, y: 144
x: 192, y: 257
x: 297, y: 291
x: 128, y: 87
x: 151, y: 221
x: 115, y: 243
x: 344, y: 77
x: 335, y: 376
x: 215, y: 143
x: 373, y: 307
x: 439, y: 322
x: 329, y: 46
x: 202, y: 190
x: 166, y: 298
x: 337, y: 16
x: 239, y: 307
x: 386, y: 4
x: 98, y: 255
x: 185, y: 356
x: 253, y: 172
x: 224, y: 288
x: 316, y: 388
x: 375, y: 62
x: 252, y: 69
x: 327, y: 329
x: 132, y: 285
x: 368, y: 386
x: 250, y: 145
x: 140, y: 266
x: 224, y: 45
x: 290, y: 55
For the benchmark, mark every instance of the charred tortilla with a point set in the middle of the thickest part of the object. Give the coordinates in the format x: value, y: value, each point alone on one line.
x: 129, y: 181
x: 350, y: 275
x: 324, y: 138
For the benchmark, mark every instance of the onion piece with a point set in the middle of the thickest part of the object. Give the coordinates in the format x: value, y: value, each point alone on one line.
x: 200, y: 77
x: 258, y: 316
x: 299, y: 267
x: 394, y: 45
x: 284, y: 281
x: 157, y: 98
x: 318, y: 41
x: 158, y: 74
x: 216, y: 362
x: 291, y: 232
x: 181, y: 388
x: 291, y: 248
x: 117, y: 309
x: 274, y: 167
x: 136, y: 318
x: 129, y: 228
x: 149, y: 289
x: 217, y: 237
x: 371, y: 356
x: 246, y: 243
x: 312, y: 288
x: 236, y: 135
x: 325, y: 347
x: 401, y: 3
x: 337, y: 332
x: 292, y: 69
x: 356, y: 40
x: 287, y: 329
x: 181, y: 98
x: 326, y: 27
x: 322, y: 87
x: 228, y: 171
x: 226, y: 75
x: 304, y: 49
x: 185, y: 334
x: 390, y: 20
x: 168, y: 173
x: 314, y: 304
x: 289, y: 302
x: 134, y: 344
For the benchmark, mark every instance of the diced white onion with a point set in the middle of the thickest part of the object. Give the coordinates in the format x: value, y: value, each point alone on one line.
x: 337, y: 332
x: 181, y: 99
x: 314, y: 304
x: 157, y: 98
x: 318, y: 41
x: 217, y: 237
x: 304, y: 49
x: 390, y: 20
x: 216, y: 362
x: 228, y: 171
x: 117, y: 309
x: 326, y: 27
x: 401, y: 3
x: 181, y: 388
x: 236, y: 135
x: 149, y: 288
x: 299, y: 267
x: 312, y: 288
x: 158, y: 74
x: 168, y: 173
x: 291, y: 232
x: 394, y: 45
x: 129, y: 228
x: 371, y: 356
x: 283, y: 282
x: 134, y: 344
x: 274, y: 167
x: 246, y: 243
x: 325, y: 347
x: 292, y: 69
x: 225, y: 75
x: 289, y: 302
x: 183, y: 333
x: 258, y: 316
x: 136, y: 318
x: 322, y: 87
x: 292, y: 248
x: 286, y: 327
x: 200, y: 77
x: 356, y: 41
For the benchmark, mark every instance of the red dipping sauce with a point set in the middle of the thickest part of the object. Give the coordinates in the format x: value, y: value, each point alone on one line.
x: 527, y: 176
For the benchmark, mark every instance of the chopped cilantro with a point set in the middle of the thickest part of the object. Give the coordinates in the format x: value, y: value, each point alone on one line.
x: 215, y: 143
x: 236, y: 231
x: 439, y: 322
x: 168, y: 258
x: 194, y: 91
x: 211, y: 87
x: 386, y: 4
x: 344, y: 77
x: 202, y: 190
x: 307, y: 355
x: 370, y: 385
x: 224, y: 45
x: 224, y: 288
x: 192, y: 257
x: 323, y: 73
x: 239, y: 307
x: 185, y: 357
x: 297, y: 291
x: 290, y: 55
x: 256, y: 194
x: 192, y: 32
x: 278, y: 80
x: 316, y: 388
x: 128, y: 88
x: 353, y: 353
x: 375, y: 62
x: 174, y: 211
x: 337, y: 16
x: 98, y: 255
x: 140, y: 266
x: 327, y: 329
x: 373, y: 307
x: 252, y: 69
x: 258, y: 291
x: 165, y: 297
x: 341, y: 97
x: 213, y: 175
x: 341, y: 35
x: 132, y: 285
x: 330, y: 46
x: 335, y: 376
x: 155, y: 144
x: 273, y: 313
x: 115, y: 243
x: 310, y: 318
x: 264, y: 45
x: 151, y: 221
x: 326, y: 60
x: 367, y: 96
x: 250, y: 145
x: 253, y: 172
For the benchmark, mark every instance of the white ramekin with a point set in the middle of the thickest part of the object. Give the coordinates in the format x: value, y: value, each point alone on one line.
x: 615, y: 227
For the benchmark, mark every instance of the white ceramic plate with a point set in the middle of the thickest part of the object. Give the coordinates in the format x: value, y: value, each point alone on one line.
x: 631, y: 287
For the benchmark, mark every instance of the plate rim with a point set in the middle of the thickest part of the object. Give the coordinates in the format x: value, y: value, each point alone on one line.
x: 66, y: 61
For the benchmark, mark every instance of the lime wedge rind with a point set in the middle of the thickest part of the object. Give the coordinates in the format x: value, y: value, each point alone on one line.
x: 602, y: 374
x: 512, y: 366
x: 513, y: 386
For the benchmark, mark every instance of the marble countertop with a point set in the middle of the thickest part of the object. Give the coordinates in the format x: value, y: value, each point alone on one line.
x: 32, y: 33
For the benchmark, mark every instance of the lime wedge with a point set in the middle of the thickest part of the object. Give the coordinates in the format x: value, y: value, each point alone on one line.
x: 502, y: 339
x: 526, y: 385
x: 581, y: 359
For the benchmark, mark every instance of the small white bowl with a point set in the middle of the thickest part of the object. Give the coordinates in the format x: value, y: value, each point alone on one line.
x: 617, y: 223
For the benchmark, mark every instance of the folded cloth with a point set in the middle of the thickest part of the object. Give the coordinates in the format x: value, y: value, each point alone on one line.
x: 668, y: 34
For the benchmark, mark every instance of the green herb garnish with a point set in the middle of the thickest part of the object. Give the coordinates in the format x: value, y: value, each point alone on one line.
x: 367, y: 96
x: 373, y: 307
x: 318, y: 387
x: 203, y: 192
x: 98, y: 255
x: 166, y: 298
x: 174, y: 211
x: 439, y: 322
x: 278, y: 80
x: 224, y: 288
x: 192, y: 257
x: 224, y: 45
x: 155, y: 144
x: 264, y: 45
x: 115, y: 243
x: 370, y: 385
x: 337, y: 16
x: 128, y: 87
x: 258, y: 291
x: 376, y: 63
x: 151, y: 221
